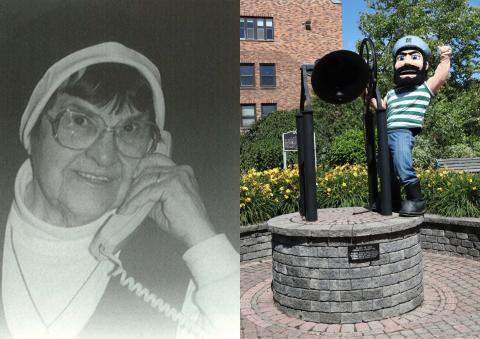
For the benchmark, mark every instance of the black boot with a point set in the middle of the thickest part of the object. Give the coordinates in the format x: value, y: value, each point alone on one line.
x: 396, y: 198
x: 396, y: 195
x: 415, y: 204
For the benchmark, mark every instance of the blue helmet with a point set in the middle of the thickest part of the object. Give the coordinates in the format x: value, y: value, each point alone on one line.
x: 413, y: 42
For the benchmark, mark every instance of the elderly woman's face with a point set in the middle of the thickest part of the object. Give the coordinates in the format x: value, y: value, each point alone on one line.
x: 81, y: 185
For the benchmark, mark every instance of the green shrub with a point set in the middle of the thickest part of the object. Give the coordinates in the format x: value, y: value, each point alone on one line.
x: 459, y: 151
x: 348, y: 148
x: 342, y: 186
x: 453, y: 194
x: 476, y: 148
x: 424, y: 155
x: 261, y: 145
x: 265, y: 194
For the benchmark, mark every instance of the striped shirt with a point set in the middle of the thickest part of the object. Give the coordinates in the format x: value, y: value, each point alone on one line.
x: 407, y: 109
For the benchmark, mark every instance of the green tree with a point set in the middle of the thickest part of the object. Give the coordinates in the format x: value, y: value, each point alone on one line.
x: 439, y: 22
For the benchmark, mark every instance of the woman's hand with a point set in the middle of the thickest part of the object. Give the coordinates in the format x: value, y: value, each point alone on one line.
x: 178, y: 208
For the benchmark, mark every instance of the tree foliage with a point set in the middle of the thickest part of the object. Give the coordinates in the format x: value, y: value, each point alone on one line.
x: 438, y: 22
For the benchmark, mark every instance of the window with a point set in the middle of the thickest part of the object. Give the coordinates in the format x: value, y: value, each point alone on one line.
x: 268, y: 108
x: 256, y: 28
x: 248, y: 115
x: 242, y: 29
x: 267, y: 75
x: 250, y: 28
x: 247, y: 75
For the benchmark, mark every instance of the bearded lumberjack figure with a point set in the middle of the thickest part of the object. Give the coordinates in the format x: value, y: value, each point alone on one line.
x: 406, y: 105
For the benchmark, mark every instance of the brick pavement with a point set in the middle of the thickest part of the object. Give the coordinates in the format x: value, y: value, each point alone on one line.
x: 451, y: 308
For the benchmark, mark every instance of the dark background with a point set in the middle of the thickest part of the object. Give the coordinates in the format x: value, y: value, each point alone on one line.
x: 195, y: 45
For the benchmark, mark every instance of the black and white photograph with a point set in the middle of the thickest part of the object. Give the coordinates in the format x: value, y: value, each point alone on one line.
x: 119, y: 169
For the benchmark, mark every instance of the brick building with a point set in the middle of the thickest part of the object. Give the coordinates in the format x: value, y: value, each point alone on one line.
x: 276, y: 37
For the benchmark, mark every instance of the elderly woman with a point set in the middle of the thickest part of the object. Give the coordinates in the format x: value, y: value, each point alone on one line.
x: 99, y: 164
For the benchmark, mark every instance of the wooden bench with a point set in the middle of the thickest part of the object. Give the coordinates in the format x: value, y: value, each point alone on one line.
x: 460, y: 164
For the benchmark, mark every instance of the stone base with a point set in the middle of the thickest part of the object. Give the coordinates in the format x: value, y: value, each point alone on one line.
x: 316, y: 278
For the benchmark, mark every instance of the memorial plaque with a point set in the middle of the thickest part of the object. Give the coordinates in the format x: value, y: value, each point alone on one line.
x: 363, y: 252
x: 290, y: 141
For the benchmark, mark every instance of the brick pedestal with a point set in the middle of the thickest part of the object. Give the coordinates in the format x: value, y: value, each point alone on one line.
x: 315, y: 279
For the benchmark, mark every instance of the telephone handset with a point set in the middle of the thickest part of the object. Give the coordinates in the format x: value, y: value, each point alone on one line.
x: 113, y: 234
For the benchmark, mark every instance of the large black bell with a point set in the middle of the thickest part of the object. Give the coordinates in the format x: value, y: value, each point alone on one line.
x: 340, y: 77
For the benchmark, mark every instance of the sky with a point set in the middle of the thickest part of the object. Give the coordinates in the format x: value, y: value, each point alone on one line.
x: 351, y: 10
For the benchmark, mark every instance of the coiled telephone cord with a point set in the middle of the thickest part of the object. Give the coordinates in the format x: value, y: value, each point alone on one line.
x: 153, y: 300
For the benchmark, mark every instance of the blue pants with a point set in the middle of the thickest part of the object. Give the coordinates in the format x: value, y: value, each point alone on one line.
x: 400, y: 143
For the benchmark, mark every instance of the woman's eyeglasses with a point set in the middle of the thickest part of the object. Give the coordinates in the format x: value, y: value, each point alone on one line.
x: 134, y: 137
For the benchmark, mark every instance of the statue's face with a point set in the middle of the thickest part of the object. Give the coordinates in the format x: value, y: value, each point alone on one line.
x: 410, y: 68
x: 408, y: 63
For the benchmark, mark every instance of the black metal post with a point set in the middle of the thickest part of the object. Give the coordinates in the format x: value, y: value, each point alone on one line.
x: 301, y: 157
x: 384, y: 202
x: 309, y: 167
x: 371, y: 159
x: 306, y: 154
x: 383, y: 160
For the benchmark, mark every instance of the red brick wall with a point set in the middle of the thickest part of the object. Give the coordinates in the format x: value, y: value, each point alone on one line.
x: 292, y: 46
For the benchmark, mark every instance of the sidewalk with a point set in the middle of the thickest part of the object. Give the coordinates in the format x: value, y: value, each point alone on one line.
x: 451, y: 308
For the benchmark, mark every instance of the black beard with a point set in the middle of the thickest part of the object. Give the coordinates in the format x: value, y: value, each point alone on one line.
x: 419, y: 78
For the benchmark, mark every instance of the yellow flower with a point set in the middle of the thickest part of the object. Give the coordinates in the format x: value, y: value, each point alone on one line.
x: 248, y: 199
x: 344, y: 184
x: 439, y: 189
x: 282, y: 188
x: 285, y: 196
x: 470, y: 180
x: 474, y: 188
x: 329, y: 189
x: 242, y: 205
x: 288, y: 191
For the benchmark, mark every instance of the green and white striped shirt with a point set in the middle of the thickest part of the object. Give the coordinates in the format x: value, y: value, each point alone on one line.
x: 407, y: 109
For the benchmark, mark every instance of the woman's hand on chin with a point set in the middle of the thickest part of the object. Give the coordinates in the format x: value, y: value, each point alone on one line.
x: 178, y: 208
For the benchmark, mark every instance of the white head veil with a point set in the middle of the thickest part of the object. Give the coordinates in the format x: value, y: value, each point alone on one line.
x: 101, y: 53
